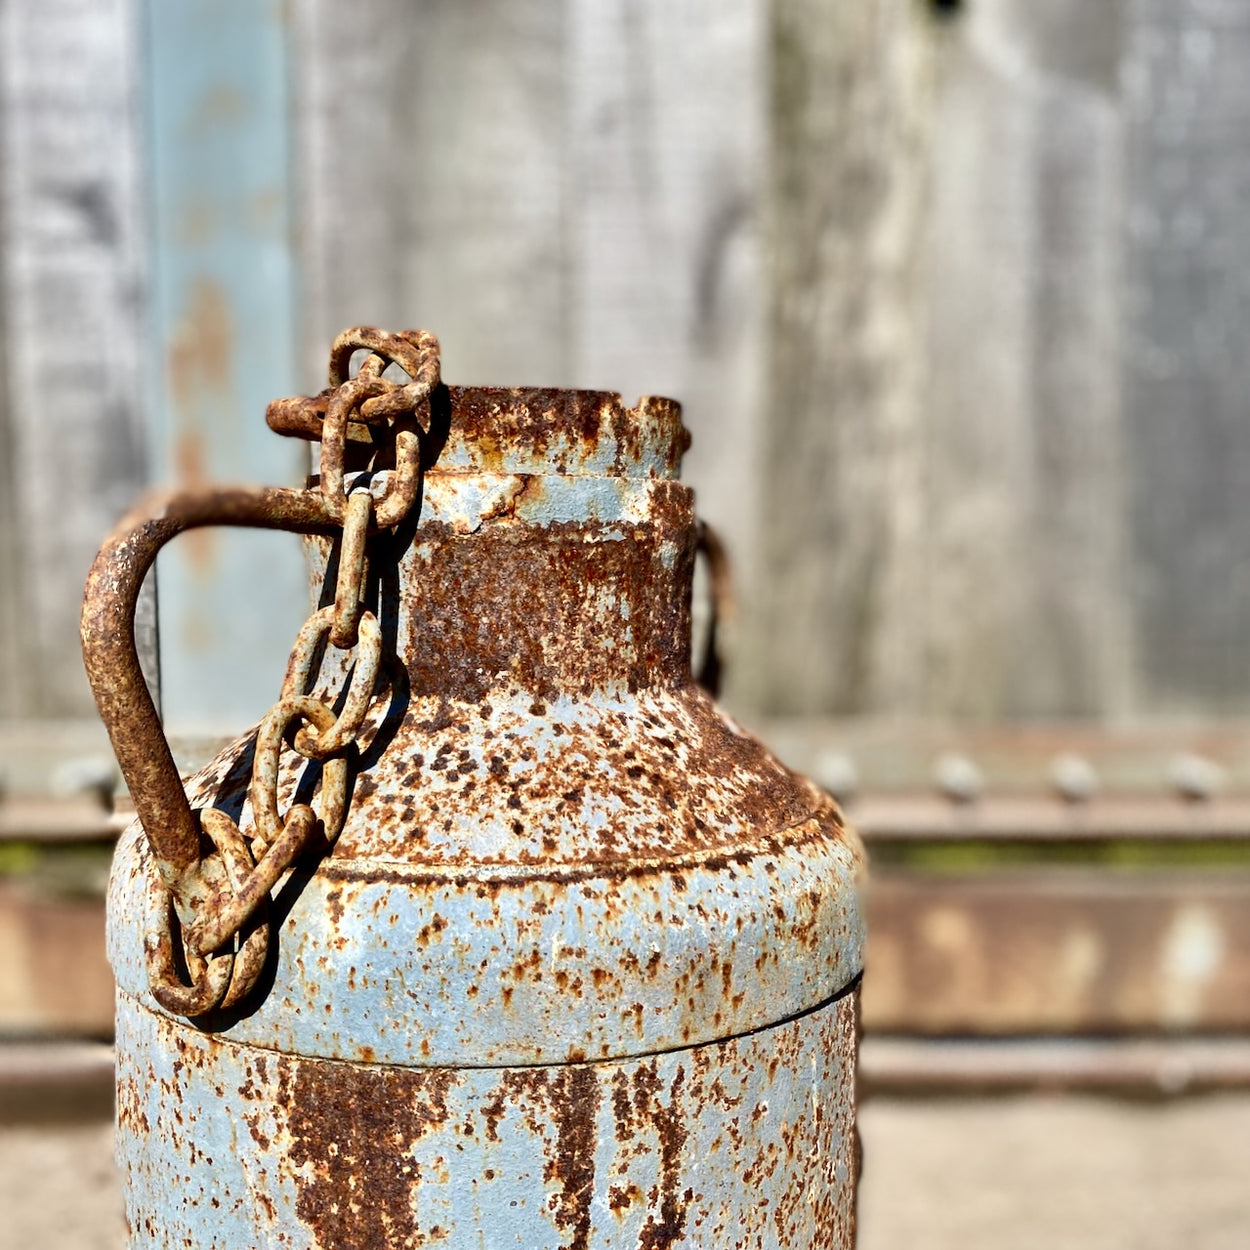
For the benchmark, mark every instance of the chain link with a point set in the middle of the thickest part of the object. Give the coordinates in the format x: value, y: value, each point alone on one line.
x: 225, y: 941
x: 353, y: 566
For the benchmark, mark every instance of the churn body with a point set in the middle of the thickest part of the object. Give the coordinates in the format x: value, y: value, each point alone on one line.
x: 581, y: 968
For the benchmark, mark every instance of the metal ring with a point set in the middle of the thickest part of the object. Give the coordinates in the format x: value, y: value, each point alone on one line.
x: 396, y: 501
x: 416, y: 352
x: 210, y: 978
x: 352, y: 561
x: 345, y: 401
x: 364, y: 680
x: 263, y: 791
x: 253, y: 948
x: 332, y: 738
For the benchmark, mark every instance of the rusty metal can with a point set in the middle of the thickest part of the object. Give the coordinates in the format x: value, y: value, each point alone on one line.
x: 581, y: 968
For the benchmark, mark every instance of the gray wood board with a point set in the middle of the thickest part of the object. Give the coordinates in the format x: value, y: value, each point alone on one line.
x: 223, y: 345
x: 957, y: 311
x: 566, y: 194
x: 840, y: 457
x: 1187, y: 353
x: 1022, y: 609
x: 72, y: 313
x: 945, y: 517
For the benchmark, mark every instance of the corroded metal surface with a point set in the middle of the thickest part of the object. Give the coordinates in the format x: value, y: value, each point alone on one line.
x: 504, y: 963
x: 556, y: 843
x: 112, y: 661
x: 1059, y: 951
x: 744, y: 1143
x: 578, y: 969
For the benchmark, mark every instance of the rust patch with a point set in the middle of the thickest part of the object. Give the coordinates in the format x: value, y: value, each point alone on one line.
x: 665, y: 1227
x: 559, y: 609
x: 354, y: 1154
x: 190, y: 467
x: 219, y: 106
x: 564, y: 1103
x: 499, y: 428
x: 354, y: 1128
x: 543, y: 730
x: 199, y: 369
x: 200, y: 353
x: 573, y: 1098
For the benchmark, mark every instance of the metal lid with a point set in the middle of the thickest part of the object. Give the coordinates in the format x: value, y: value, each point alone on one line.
x: 487, y: 429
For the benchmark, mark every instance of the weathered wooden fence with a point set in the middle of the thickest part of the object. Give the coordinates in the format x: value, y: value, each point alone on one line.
x: 955, y: 296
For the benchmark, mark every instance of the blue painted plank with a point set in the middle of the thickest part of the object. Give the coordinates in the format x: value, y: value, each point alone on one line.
x: 223, y: 343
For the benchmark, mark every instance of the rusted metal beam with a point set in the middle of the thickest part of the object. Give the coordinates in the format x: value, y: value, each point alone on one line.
x: 1079, y: 951
x: 1006, y: 953
x: 1144, y: 758
x: 50, y: 1081
x: 57, y: 1080
x: 883, y: 818
x: 1002, y: 954
x: 53, y: 821
x: 54, y: 977
x: 1136, y: 1067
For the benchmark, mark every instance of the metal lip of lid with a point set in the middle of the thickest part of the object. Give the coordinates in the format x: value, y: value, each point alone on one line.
x: 555, y: 431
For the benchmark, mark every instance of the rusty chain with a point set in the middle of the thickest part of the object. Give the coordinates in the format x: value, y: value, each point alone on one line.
x: 221, y: 901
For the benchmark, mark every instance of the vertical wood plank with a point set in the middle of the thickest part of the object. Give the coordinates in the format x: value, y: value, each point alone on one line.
x: 72, y: 277
x: 946, y: 515
x: 13, y: 692
x: 1187, y: 356
x: 839, y: 456
x: 665, y: 229
x: 1024, y: 583
x: 565, y: 194
x: 978, y: 291
x: 223, y: 345
x: 432, y: 184
x: 1074, y: 655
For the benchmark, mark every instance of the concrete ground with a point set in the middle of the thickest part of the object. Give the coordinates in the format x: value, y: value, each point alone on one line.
x: 1041, y: 1173
x: 1021, y: 1173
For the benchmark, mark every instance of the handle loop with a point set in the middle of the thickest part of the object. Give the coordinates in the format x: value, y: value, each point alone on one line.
x: 112, y: 660
x: 710, y: 668
x: 219, y: 900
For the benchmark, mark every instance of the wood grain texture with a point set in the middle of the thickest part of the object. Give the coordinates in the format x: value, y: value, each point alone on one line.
x: 1023, y: 589
x: 840, y: 460
x: 665, y: 161
x: 223, y: 345
x: 1187, y: 353
x: 945, y: 512
x: 430, y: 140
x: 956, y: 308
x: 72, y: 286
x: 565, y: 193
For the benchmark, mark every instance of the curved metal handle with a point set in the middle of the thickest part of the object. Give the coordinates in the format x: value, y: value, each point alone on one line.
x: 112, y: 658
x: 720, y: 587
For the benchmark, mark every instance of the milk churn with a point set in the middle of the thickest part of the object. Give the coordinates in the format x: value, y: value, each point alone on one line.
x: 496, y: 932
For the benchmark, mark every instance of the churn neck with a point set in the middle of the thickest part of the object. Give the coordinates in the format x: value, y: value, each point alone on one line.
x: 554, y: 550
